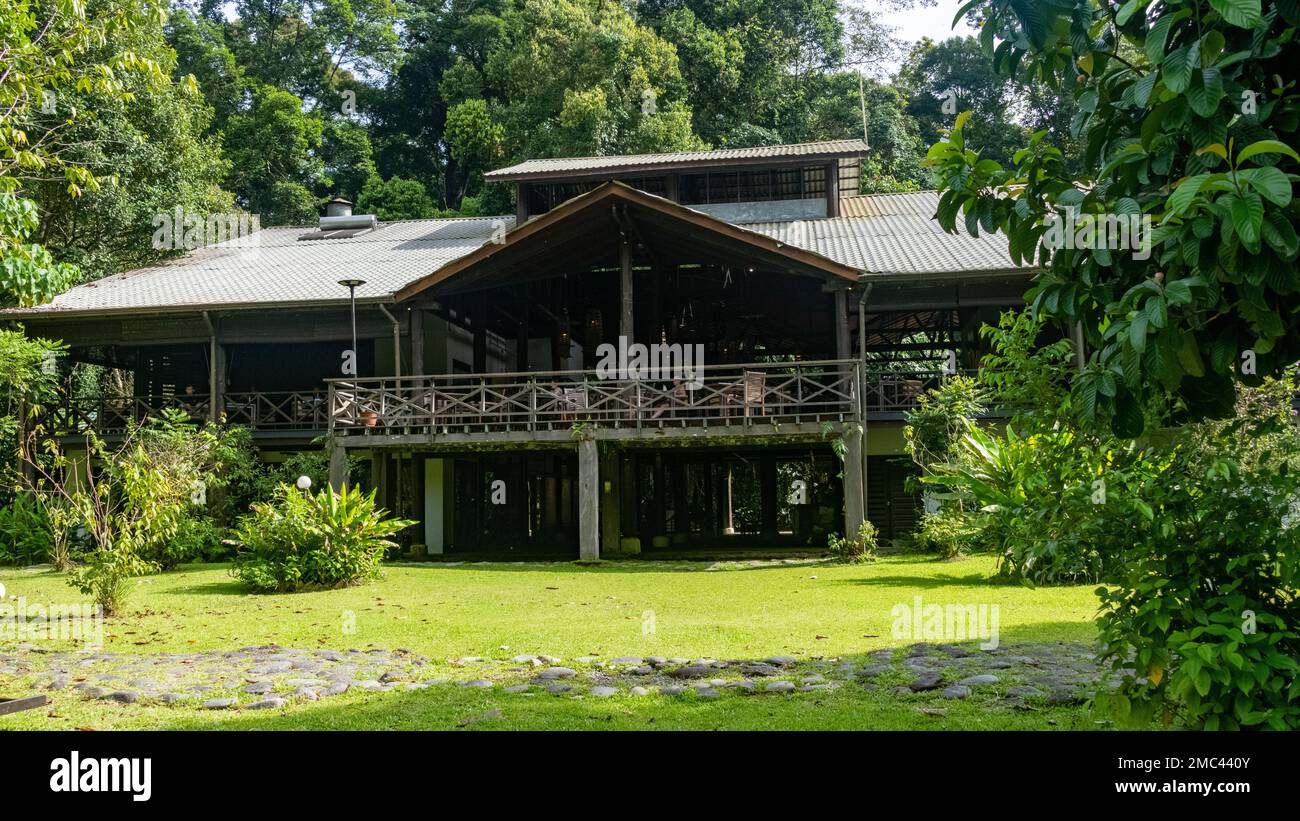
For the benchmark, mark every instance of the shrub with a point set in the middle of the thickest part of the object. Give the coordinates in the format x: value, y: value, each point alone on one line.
x: 941, y: 417
x: 302, y: 541
x: 1205, y: 618
x: 861, y: 549
x: 950, y: 532
x: 133, y: 501
x: 200, y: 539
x: 25, y: 533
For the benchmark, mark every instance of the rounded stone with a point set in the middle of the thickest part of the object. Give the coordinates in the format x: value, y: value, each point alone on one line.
x: 603, y: 692
x: 956, y: 691
x: 554, y: 673
x: 780, y: 687
x: 926, y: 681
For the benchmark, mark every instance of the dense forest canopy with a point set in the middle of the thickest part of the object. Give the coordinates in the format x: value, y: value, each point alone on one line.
x: 274, y: 106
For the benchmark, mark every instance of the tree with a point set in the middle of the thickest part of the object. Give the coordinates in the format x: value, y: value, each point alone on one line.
x: 272, y: 165
x: 1184, y: 123
x: 609, y: 85
x: 44, y: 52
x: 396, y: 199
x: 154, y: 153
x: 940, y: 79
x: 48, y: 51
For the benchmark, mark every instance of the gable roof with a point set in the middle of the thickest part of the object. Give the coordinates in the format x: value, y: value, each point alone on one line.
x: 882, y: 236
x: 570, y: 236
x: 647, y: 163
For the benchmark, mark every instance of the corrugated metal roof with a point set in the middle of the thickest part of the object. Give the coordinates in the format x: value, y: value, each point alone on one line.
x: 568, y: 166
x: 879, y: 234
x: 893, y: 234
x: 277, y: 269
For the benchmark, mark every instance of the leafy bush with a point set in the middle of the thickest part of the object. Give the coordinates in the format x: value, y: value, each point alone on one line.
x: 302, y: 541
x: 1205, y: 613
x: 26, y: 536
x: 200, y: 539
x: 940, y: 419
x: 134, y: 501
x: 861, y: 549
x: 951, y: 532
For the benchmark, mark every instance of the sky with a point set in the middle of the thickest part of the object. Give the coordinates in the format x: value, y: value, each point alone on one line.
x: 934, y: 22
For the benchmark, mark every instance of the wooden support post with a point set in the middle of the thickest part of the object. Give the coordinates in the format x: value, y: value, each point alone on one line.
x: 611, y: 509
x: 625, y: 327
x: 480, y: 326
x: 521, y: 339
x: 728, y: 518
x: 681, y: 518
x: 660, y: 504
x: 216, y: 371
x: 833, y: 188
x: 338, y: 466
x: 853, y: 496
x: 417, y: 341
x: 521, y: 203
x: 842, y: 350
x: 768, y: 494
x: 588, y: 501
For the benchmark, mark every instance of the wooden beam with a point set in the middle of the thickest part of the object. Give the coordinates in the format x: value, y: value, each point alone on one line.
x: 588, y: 501
x: 833, y: 188
x: 417, y: 341
x: 853, y: 495
x: 625, y: 326
x: 842, y: 350
x: 521, y: 202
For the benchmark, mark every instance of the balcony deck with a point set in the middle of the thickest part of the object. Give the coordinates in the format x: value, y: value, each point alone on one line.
x: 751, y: 399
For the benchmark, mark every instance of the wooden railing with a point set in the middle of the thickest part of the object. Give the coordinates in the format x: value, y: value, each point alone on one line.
x: 898, y: 391
x: 274, y: 411
x: 732, y: 394
x: 822, y: 391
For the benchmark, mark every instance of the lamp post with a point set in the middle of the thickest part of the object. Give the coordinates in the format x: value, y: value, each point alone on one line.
x: 304, y: 484
x: 352, y: 285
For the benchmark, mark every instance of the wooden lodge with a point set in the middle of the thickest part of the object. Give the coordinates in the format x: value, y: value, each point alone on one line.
x: 474, y: 369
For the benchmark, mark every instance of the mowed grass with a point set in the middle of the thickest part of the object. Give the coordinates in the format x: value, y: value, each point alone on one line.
x: 813, y: 611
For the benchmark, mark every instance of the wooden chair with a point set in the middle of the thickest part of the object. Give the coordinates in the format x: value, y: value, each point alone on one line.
x: 755, y: 393
x: 573, y: 401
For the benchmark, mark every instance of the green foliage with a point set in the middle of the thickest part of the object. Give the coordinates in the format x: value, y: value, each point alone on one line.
x: 200, y: 539
x: 940, y: 419
x: 862, y: 548
x: 1182, y: 119
x: 302, y: 541
x: 49, y: 51
x: 27, y: 384
x: 1030, y: 379
x: 26, y: 536
x: 152, y: 151
x: 395, y: 199
x: 29, y: 275
x: 273, y: 161
x: 933, y: 71
x: 1204, y: 618
x: 951, y: 532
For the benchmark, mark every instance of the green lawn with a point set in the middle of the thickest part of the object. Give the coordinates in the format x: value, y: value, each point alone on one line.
x: 820, y: 613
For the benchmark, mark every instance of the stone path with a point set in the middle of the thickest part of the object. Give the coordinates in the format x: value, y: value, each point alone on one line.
x: 271, y: 677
